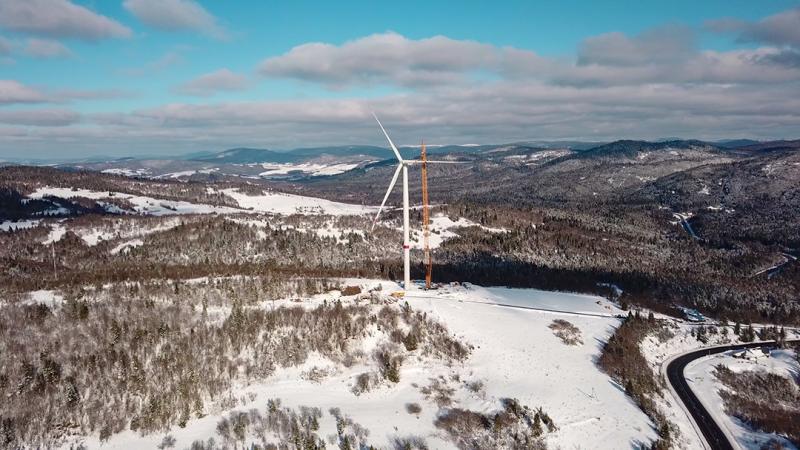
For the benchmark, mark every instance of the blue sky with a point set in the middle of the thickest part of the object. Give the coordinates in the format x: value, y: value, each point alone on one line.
x: 169, y: 76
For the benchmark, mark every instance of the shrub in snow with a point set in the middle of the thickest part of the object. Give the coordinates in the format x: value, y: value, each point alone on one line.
x: 389, y: 361
x: 764, y: 400
x: 439, y: 392
x: 514, y: 426
x: 413, y: 408
x: 567, y: 332
x: 364, y: 383
x: 409, y: 443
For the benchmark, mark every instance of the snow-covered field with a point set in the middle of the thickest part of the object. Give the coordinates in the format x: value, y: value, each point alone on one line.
x: 706, y: 386
x: 120, y: 229
x: 279, y: 203
x: 188, y: 173
x: 14, y: 225
x: 313, y: 169
x: 268, y: 202
x: 515, y: 355
x: 441, y: 229
x: 141, y: 204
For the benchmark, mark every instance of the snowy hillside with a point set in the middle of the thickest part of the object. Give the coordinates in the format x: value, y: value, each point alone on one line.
x: 515, y: 354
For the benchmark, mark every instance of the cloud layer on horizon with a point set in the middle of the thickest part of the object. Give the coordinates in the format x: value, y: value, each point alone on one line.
x: 654, y: 84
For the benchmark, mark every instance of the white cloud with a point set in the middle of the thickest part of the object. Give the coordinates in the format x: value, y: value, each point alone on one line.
x: 58, y: 18
x: 45, y: 48
x: 5, y: 46
x: 172, y: 15
x: 15, y: 92
x: 387, y: 57
x: 779, y: 29
x: 668, y: 44
x: 171, y: 58
x: 505, y: 111
x: 654, y: 84
x: 211, y: 83
x: 663, y: 55
x: 40, y: 117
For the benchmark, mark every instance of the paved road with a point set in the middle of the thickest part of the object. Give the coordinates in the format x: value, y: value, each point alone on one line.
x: 712, y: 432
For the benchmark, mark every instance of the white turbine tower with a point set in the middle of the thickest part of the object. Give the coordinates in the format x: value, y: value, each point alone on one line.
x: 402, y: 166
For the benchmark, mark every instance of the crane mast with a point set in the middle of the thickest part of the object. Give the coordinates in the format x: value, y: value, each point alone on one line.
x: 426, y: 219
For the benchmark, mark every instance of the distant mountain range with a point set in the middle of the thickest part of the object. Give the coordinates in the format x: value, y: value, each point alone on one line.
x: 312, y: 162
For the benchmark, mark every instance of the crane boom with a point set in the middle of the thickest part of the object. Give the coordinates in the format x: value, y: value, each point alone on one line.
x: 426, y: 219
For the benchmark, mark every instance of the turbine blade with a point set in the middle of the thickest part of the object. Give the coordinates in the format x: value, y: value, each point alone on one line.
x: 396, y: 153
x: 388, y: 191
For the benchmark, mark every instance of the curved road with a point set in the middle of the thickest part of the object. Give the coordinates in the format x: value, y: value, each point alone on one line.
x: 712, y: 432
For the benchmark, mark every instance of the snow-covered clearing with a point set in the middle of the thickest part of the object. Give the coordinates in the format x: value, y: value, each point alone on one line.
x: 279, y: 203
x: 105, y: 231
x: 49, y: 298
x: 126, y: 246
x: 57, y: 231
x: 441, y: 228
x: 187, y: 173
x: 11, y: 225
x: 515, y: 355
x: 706, y: 386
x: 141, y: 204
x: 268, y: 202
x: 312, y: 169
x: 127, y: 172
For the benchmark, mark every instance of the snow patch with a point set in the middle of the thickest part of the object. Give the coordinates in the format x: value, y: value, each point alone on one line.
x: 126, y: 246
x: 10, y: 225
x: 141, y: 204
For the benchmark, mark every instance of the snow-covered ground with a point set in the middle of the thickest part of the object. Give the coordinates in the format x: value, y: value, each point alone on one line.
x: 128, y: 172
x: 268, y: 202
x: 14, y: 225
x: 515, y: 355
x: 141, y: 204
x: 313, y: 169
x: 51, y: 299
x: 706, y: 386
x: 188, y: 173
x: 120, y: 229
x: 441, y: 229
x: 126, y: 246
x: 279, y: 203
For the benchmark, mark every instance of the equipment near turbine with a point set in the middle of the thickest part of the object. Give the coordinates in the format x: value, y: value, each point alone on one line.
x: 403, y: 166
x: 426, y: 218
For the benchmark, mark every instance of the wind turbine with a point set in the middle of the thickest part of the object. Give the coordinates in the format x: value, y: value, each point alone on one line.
x: 402, y: 166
